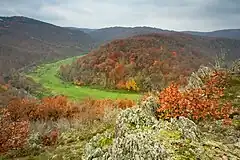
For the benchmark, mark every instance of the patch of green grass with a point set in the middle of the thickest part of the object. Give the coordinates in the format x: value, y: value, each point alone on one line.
x: 47, y: 75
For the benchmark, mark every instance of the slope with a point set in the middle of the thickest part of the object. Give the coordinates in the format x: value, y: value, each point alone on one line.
x: 111, y: 33
x: 25, y: 41
x: 146, y: 62
x: 227, y: 33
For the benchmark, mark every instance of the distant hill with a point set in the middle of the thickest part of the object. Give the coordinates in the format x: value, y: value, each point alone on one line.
x: 108, y: 34
x: 152, y: 60
x: 25, y: 41
x: 227, y: 33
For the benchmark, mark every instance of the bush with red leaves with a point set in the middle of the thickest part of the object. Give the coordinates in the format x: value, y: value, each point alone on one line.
x: 13, y: 134
x: 196, y: 104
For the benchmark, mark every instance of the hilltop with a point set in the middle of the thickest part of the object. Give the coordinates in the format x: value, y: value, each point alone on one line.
x: 25, y: 41
x: 110, y: 33
x: 146, y: 61
x: 226, y: 33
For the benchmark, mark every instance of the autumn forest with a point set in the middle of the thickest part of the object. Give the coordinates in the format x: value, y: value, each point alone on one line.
x: 149, y: 94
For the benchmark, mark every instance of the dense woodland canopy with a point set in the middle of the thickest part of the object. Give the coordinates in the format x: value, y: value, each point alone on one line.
x: 145, y: 62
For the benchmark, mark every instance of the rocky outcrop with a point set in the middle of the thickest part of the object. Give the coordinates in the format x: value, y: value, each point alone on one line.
x: 138, y: 135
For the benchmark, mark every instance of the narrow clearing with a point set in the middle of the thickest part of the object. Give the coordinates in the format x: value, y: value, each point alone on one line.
x: 47, y: 75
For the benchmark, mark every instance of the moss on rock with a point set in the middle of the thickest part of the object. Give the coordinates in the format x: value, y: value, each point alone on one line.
x: 139, y: 135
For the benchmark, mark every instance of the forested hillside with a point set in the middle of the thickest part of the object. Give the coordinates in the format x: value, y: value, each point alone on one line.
x: 110, y: 33
x: 226, y: 33
x: 25, y: 41
x: 144, y: 62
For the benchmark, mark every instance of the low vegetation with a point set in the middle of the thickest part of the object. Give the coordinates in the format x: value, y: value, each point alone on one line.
x: 171, y: 124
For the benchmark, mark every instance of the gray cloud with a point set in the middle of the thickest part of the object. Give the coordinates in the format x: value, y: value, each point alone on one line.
x: 201, y: 15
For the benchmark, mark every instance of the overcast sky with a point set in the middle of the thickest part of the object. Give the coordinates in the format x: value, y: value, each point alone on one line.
x: 201, y: 15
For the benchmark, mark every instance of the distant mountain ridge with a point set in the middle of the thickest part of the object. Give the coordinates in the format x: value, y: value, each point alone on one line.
x: 107, y: 34
x: 26, y: 41
x: 110, y: 33
x: 226, y: 33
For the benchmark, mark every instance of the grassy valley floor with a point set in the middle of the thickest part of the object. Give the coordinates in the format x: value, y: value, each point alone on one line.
x: 47, y: 75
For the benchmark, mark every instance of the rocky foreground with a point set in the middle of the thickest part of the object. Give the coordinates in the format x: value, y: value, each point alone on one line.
x: 138, y: 135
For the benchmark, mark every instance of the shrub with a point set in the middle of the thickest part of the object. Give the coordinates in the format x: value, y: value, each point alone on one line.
x: 94, y: 109
x: 13, y: 135
x: 16, y: 117
x: 19, y: 109
x: 197, y: 103
x: 49, y: 108
x: 55, y: 107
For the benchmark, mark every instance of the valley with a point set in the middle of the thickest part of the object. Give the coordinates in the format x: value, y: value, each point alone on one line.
x: 117, y: 93
x: 47, y: 75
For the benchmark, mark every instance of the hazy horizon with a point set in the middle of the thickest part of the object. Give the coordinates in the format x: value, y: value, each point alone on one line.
x: 185, y: 15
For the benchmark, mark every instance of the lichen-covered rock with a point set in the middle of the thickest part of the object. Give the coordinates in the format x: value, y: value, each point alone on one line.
x: 98, y: 145
x: 149, y: 106
x: 196, y: 78
x: 138, y: 135
x: 235, y: 68
x: 187, y: 127
x: 70, y: 146
x: 141, y: 145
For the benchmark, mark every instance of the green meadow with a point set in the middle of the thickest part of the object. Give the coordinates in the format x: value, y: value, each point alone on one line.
x: 46, y: 74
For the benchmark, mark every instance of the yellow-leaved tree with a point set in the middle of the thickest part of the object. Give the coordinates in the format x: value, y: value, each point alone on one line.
x: 131, y: 85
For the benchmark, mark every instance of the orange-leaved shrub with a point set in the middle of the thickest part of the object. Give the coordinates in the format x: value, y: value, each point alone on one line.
x: 95, y: 108
x: 21, y: 109
x: 49, y: 108
x: 56, y: 107
x: 53, y: 108
x: 16, y: 117
x: 13, y: 134
x: 198, y: 103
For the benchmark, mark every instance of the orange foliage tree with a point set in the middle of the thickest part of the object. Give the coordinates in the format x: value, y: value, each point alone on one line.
x: 196, y: 104
x: 13, y: 134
